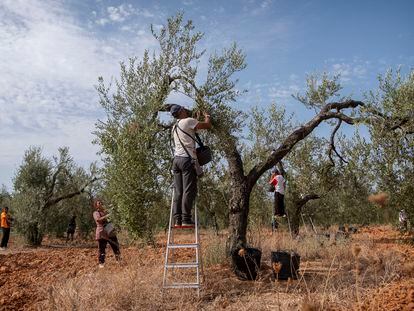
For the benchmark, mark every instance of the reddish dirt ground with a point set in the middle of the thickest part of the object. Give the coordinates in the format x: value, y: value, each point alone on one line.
x: 24, y: 273
x: 399, y: 295
x: 27, y: 274
x: 396, y: 296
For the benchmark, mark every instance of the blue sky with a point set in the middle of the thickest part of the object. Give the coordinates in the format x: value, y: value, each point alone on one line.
x: 51, y: 53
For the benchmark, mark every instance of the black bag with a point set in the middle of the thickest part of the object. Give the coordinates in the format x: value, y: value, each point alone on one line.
x: 203, y: 152
x: 271, y: 188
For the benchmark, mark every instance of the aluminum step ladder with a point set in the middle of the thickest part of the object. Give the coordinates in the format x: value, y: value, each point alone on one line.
x: 170, y: 266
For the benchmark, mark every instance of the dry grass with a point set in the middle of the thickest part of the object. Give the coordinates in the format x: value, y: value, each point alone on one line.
x: 334, y: 274
x: 214, y: 251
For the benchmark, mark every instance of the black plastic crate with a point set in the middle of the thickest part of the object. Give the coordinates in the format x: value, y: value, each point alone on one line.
x: 290, y: 264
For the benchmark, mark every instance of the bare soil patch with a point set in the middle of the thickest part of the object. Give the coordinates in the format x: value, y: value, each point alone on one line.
x: 380, y: 277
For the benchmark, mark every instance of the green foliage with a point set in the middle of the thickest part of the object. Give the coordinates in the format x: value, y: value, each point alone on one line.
x: 135, y: 142
x: 267, y: 129
x: 39, y: 185
x: 320, y: 89
x: 390, y: 117
x: 5, y: 197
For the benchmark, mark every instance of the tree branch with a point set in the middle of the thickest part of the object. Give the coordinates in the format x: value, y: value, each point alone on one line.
x: 51, y: 202
x: 301, y: 133
x: 281, y: 168
x: 332, y: 144
x: 185, y: 79
x: 54, y: 177
x: 400, y: 123
x: 391, y: 123
x: 302, y: 201
x: 342, y: 105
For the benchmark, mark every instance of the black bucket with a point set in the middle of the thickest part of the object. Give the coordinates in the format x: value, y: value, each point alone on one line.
x: 246, y: 267
x: 290, y: 264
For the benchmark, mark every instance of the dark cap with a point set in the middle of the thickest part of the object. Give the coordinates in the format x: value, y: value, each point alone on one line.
x: 175, y: 110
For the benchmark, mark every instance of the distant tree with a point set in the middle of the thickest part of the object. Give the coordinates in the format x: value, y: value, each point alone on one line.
x: 5, y: 196
x: 40, y: 184
x: 57, y: 218
x: 389, y: 115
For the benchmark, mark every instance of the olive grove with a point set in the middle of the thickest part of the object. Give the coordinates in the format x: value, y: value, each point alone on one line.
x: 135, y: 139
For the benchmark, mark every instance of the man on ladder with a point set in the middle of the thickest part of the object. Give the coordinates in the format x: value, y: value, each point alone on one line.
x: 185, y: 169
x: 185, y: 166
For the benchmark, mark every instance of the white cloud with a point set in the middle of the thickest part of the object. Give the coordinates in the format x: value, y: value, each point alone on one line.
x: 350, y: 71
x: 265, y: 4
x: 280, y: 92
x: 293, y: 77
x: 261, y: 7
x: 102, y: 21
x: 120, y: 14
x: 187, y: 2
x: 47, y: 94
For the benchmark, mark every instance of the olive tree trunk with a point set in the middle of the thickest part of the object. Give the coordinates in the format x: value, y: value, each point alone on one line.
x: 298, y: 205
x: 34, y: 234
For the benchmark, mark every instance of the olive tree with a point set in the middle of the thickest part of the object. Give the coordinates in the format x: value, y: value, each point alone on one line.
x: 389, y: 115
x: 40, y: 184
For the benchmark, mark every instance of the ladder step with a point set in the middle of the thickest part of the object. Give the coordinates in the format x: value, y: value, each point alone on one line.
x: 182, y: 265
x: 183, y: 285
x: 190, y: 245
x: 184, y: 227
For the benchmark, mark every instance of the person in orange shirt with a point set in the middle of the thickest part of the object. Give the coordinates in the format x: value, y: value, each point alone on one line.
x: 5, y: 227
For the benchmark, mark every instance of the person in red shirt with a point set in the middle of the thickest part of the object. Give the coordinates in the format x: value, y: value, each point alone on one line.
x: 278, y: 181
x: 5, y: 227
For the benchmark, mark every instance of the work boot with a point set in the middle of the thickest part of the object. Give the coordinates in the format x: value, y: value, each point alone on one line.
x: 177, y: 222
x: 188, y: 223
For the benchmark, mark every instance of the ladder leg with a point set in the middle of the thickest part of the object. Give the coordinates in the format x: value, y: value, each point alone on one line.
x: 164, y: 279
x: 198, y: 251
x: 198, y: 243
x: 170, y: 254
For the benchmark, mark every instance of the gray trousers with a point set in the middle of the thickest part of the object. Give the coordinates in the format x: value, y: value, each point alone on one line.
x: 185, y: 187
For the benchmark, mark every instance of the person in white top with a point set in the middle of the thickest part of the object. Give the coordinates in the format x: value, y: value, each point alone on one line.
x: 279, y: 183
x: 403, y: 220
x: 185, y: 157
